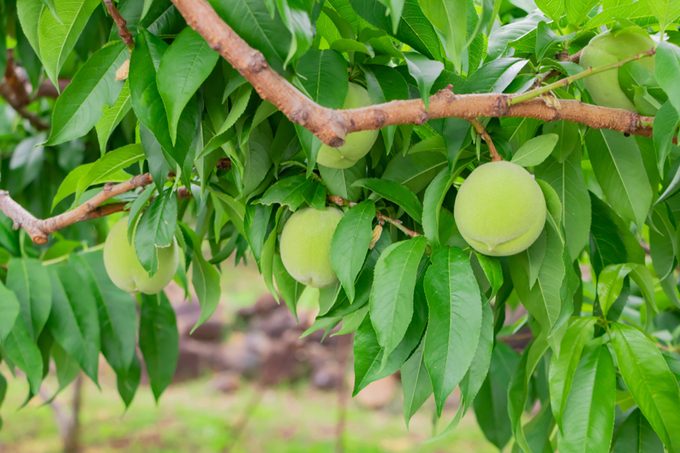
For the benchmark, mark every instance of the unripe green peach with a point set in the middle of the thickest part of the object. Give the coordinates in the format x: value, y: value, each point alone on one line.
x: 124, y: 268
x: 615, y: 88
x: 500, y: 209
x: 306, y: 245
x: 357, y: 144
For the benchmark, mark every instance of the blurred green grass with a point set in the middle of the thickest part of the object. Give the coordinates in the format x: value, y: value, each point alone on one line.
x: 193, y: 417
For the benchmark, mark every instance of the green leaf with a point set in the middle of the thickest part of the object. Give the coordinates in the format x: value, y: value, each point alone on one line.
x: 588, y: 422
x: 450, y: 17
x: 73, y: 322
x: 649, y: 380
x: 156, y: 229
x: 479, y: 368
x: 610, y: 283
x: 425, y: 72
x: 340, y: 182
x: 293, y: 191
x: 543, y: 300
x: 564, y: 362
x: 27, y: 160
x: 455, y: 320
x: 491, y: 404
x: 432, y: 204
x: 391, y: 299
x: 112, y: 116
x: 610, y: 238
x: 145, y: 98
x: 552, y: 8
x: 57, y: 36
x: 289, y: 288
x: 82, y: 103
x: 159, y: 341
x: 567, y: 180
x: 415, y: 383
x: 386, y: 84
x: 69, y: 184
x: 185, y: 65
x: 323, y: 73
x: 9, y: 311
x: 251, y: 20
x: 108, y: 168
x: 369, y: 363
x: 663, y: 242
x: 127, y: 381
x: 350, y: 244
x: 238, y: 103
x: 396, y: 193
x: 577, y: 12
x: 206, y: 280
x: 569, y: 138
x: 414, y: 28
x: 620, y: 171
x: 666, y: 123
x: 415, y: 170
x: 635, y: 435
x: 666, y: 11
x: 667, y: 65
x: 20, y: 349
x: 117, y: 312
x: 28, y: 12
x: 235, y: 210
x: 30, y: 282
x: 492, y: 271
x: 298, y: 23
x: 535, y: 151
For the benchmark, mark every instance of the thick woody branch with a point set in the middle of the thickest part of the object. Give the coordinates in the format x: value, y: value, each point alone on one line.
x: 40, y: 229
x: 331, y: 126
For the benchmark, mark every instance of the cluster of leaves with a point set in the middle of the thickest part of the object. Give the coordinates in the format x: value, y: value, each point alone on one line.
x: 602, y: 368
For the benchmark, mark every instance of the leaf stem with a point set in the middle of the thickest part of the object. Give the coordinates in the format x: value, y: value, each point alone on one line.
x: 479, y: 127
x: 532, y: 94
x: 382, y: 218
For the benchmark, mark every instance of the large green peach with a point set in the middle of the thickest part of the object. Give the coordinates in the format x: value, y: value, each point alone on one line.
x: 357, y: 144
x: 500, y: 209
x: 617, y: 87
x: 306, y: 245
x: 124, y: 268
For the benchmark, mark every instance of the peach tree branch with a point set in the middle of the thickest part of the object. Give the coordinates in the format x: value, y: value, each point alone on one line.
x: 40, y: 229
x: 331, y: 125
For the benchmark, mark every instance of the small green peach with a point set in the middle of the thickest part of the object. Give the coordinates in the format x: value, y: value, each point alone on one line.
x: 357, y: 144
x: 306, y: 245
x: 500, y: 209
x: 124, y: 268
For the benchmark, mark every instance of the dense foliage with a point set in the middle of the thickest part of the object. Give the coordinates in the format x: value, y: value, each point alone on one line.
x: 597, y: 292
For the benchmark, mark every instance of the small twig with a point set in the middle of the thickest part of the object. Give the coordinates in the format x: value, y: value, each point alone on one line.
x: 481, y: 130
x: 240, y: 425
x: 40, y: 229
x: 121, y: 24
x: 537, y: 92
x: 13, y: 90
x: 344, y: 348
x: 337, y: 200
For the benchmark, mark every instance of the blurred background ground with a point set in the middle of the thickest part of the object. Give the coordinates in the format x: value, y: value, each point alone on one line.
x: 297, y: 412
